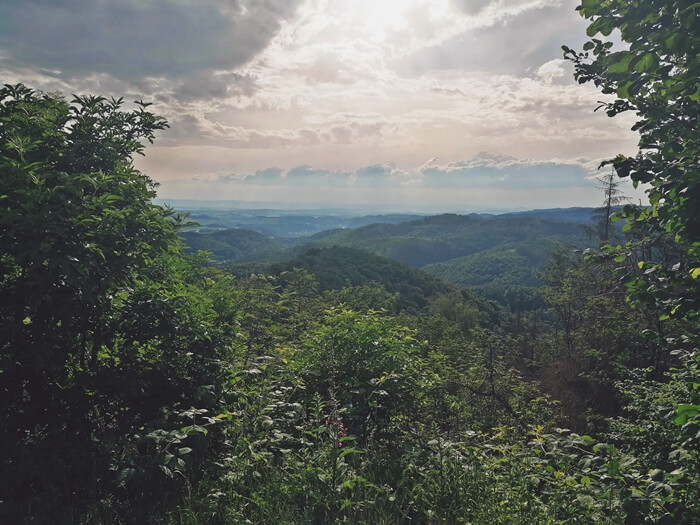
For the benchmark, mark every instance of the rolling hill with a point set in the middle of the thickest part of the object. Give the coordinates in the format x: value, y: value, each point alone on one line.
x: 235, y: 244
x: 442, y: 238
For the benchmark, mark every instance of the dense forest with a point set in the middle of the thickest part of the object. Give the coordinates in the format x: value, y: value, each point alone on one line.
x: 142, y: 382
x: 506, y: 256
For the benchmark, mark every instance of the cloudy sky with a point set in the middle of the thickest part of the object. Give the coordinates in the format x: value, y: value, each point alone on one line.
x: 453, y: 104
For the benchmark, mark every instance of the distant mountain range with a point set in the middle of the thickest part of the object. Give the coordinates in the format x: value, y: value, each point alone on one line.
x: 492, y: 252
x: 441, y: 238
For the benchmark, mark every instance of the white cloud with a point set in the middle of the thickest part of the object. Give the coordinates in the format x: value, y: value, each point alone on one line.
x: 482, y: 170
x: 553, y: 70
x: 248, y: 84
x: 485, y: 170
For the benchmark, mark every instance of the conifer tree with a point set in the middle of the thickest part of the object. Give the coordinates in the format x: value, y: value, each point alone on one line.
x: 613, y: 199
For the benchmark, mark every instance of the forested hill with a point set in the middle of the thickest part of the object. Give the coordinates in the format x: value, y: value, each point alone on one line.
x: 232, y: 244
x: 443, y: 237
x: 577, y: 214
x: 336, y: 267
x: 498, y: 254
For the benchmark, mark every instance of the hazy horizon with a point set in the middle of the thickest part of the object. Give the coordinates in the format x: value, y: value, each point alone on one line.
x: 358, y: 209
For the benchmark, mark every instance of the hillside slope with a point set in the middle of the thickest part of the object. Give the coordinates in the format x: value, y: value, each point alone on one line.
x: 235, y: 244
x: 444, y: 237
x: 338, y: 267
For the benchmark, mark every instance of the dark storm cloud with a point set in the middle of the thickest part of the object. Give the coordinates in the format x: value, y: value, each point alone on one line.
x: 133, y: 39
x: 206, y: 85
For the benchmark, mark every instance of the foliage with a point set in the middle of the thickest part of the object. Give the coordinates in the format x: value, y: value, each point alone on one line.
x: 340, y: 267
x: 493, y: 267
x: 105, y: 339
x: 595, y: 337
x: 142, y: 385
x: 657, y: 78
x: 662, y: 431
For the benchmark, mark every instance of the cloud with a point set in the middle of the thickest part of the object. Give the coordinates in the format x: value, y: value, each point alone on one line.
x: 328, y: 68
x: 556, y: 69
x: 196, y: 130
x: 354, y: 132
x: 210, y: 85
x: 320, y: 87
x: 503, y: 171
x: 470, y: 7
x: 299, y: 176
x: 502, y: 7
x: 213, y: 128
x: 485, y: 181
x: 379, y: 175
x: 481, y: 171
x: 384, y: 175
x: 515, y: 44
x: 267, y: 176
x: 309, y: 176
x: 135, y: 40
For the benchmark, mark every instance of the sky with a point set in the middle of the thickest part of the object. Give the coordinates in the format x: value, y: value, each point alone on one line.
x: 440, y: 104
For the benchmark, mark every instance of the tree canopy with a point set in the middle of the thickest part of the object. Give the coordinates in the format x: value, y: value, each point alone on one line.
x: 656, y: 76
x: 94, y: 324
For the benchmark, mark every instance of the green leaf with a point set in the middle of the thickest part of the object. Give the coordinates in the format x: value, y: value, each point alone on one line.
x: 111, y: 199
x: 673, y: 42
x: 347, y: 451
x: 648, y: 62
x: 688, y: 410
x: 691, y: 7
x: 619, y: 62
x: 680, y: 419
x: 125, y: 475
x: 623, y: 90
x: 601, y: 25
x: 587, y: 440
